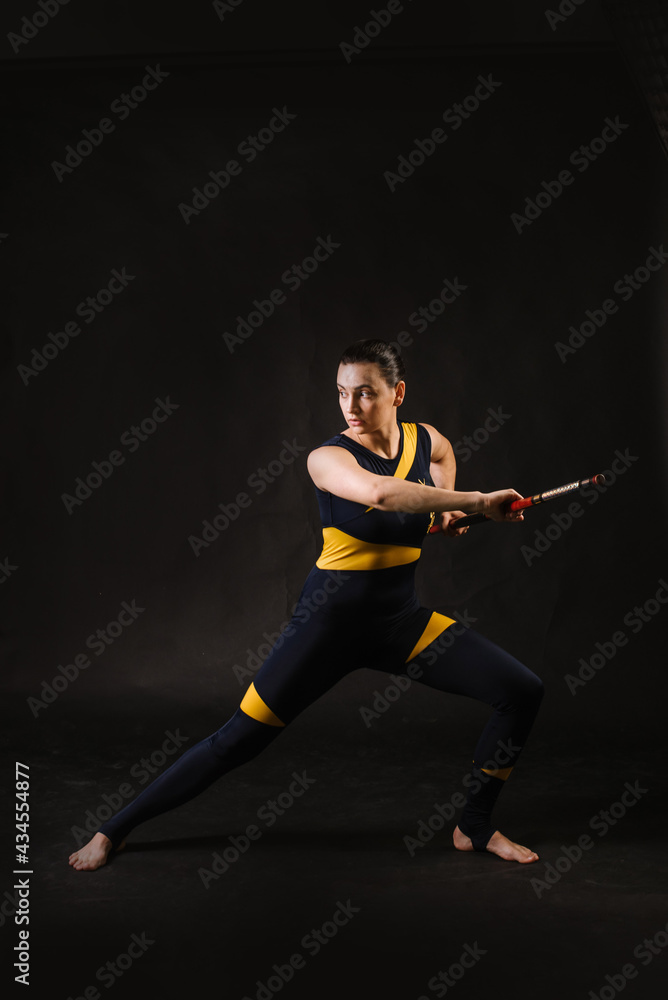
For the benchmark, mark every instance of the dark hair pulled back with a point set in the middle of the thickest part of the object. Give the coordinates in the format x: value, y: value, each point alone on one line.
x: 376, y: 352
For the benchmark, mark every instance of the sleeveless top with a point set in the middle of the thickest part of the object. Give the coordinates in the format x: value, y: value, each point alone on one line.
x: 361, y: 591
x: 356, y: 537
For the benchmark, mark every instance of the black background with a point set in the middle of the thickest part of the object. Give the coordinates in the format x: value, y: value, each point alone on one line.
x: 162, y: 337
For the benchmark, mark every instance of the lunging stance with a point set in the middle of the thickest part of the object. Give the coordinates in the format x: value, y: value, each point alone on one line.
x: 380, y: 484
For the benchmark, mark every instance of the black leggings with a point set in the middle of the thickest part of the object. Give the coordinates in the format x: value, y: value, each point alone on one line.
x: 459, y: 661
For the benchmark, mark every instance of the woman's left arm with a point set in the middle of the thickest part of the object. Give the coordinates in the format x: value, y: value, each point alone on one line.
x: 443, y: 470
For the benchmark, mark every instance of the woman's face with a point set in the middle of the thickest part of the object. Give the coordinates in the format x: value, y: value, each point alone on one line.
x: 367, y: 401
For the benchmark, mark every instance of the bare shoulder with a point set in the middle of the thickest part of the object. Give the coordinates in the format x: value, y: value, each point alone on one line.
x: 328, y: 453
x: 440, y: 446
x: 335, y: 470
x: 433, y: 433
x: 326, y: 459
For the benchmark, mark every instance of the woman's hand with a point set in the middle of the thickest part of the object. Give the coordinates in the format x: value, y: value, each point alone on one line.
x: 493, y: 504
x: 448, y: 522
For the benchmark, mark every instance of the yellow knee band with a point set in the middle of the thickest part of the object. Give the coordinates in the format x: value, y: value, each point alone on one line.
x: 253, y: 705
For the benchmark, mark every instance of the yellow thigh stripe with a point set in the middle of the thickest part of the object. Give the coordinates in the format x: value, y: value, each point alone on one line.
x: 343, y: 551
x: 253, y: 705
x: 436, y: 624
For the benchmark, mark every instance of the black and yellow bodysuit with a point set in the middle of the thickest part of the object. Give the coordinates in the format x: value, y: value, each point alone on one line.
x: 358, y: 608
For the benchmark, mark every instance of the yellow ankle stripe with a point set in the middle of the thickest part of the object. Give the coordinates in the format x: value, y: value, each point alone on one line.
x: 253, y: 706
x: 501, y: 772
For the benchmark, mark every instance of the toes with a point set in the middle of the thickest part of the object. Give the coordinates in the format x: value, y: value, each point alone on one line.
x: 85, y: 860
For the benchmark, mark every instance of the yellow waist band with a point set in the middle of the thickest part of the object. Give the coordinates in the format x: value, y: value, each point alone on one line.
x: 342, y: 551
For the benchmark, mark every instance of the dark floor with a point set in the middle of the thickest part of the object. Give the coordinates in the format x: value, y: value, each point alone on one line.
x: 339, y: 850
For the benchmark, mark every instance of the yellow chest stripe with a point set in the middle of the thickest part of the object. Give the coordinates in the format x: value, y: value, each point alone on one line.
x: 342, y: 551
x: 407, y: 455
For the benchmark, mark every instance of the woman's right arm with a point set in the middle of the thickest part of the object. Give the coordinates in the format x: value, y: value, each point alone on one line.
x: 335, y: 470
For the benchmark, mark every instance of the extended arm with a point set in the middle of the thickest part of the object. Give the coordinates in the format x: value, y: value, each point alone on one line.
x: 335, y: 470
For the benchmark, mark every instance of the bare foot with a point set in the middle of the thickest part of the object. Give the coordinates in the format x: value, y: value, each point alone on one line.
x: 94, y: 854
x: 497, y: 844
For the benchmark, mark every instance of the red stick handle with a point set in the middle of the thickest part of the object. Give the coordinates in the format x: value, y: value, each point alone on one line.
x: 533, y: 501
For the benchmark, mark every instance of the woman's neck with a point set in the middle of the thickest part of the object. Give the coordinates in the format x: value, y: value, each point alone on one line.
x: 384, y: 442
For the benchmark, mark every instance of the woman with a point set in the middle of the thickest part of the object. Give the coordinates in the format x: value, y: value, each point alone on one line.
x: 380, y: 484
